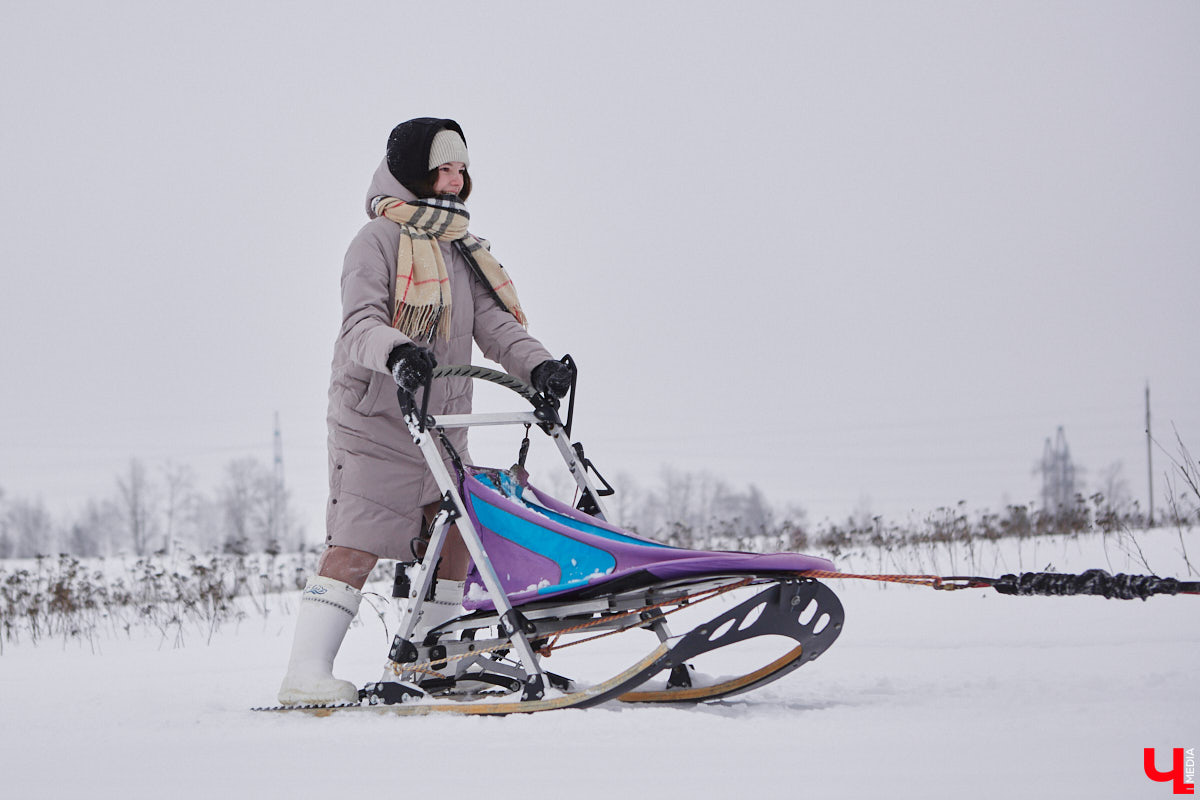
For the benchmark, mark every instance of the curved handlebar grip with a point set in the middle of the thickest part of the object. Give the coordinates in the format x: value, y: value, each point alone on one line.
x: 492, y: 376
x: 543, y: 404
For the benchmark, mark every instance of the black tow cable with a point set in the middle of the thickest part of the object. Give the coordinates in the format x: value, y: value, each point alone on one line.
x: 1093, y: 581
x: 1053, y: 584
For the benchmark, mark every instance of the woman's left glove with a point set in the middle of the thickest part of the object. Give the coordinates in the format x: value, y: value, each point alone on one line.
x: 552, y: 378
x: 411, y: 365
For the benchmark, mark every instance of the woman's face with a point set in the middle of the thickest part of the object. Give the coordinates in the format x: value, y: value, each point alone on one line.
x: 450, y: 178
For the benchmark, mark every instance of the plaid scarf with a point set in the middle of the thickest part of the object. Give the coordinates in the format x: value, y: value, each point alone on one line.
x: 422, y: 308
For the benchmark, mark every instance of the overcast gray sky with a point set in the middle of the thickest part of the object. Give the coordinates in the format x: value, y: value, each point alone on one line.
x: 864, y: 255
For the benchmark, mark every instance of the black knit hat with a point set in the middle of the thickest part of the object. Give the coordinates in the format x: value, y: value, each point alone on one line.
x: 408, y: 147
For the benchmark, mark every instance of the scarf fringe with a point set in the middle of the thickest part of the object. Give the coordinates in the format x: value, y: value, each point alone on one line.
x: 423, y: 323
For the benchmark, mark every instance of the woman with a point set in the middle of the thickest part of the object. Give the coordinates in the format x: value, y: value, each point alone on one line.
x: 417, y: 289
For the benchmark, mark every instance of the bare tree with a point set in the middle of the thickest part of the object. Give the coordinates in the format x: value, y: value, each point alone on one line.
x: 627, y: 504
x: 179, y: 500
x: 1117, y: 496
x: 30, y: 528
x: 7, y: 545
x: 697, y: 509
x: 205, y: 522
x: 686, y: 507
x: 245, y: 500
x: 281, y: 532
x: 743, y: 516
x: 94, y: 532
x: 137, y: 499
x: 793, y: 528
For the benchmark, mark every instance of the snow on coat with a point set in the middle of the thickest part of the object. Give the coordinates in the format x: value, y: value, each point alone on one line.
x: 378, y: 479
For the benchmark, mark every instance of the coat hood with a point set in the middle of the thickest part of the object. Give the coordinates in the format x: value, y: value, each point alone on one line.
x: 384, y: 184
x: 409, y: 144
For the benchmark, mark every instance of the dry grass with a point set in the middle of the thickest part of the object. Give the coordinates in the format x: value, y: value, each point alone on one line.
x: 66, y: 599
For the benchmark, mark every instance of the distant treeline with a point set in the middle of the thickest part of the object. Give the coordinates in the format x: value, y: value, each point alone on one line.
x: 152, y: 511
x: 697, y: 510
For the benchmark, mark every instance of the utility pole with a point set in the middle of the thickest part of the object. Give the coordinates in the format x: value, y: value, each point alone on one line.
x: 1149, y: 455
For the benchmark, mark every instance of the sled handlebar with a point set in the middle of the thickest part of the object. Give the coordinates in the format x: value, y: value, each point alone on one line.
x: 490, y: 375
x: 545, y: 406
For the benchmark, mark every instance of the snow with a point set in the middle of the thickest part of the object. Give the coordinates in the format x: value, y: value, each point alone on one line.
x: 926, y: 693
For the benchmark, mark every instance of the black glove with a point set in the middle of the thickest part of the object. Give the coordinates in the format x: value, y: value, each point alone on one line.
x: 552, y: 378
x: 411, y: 366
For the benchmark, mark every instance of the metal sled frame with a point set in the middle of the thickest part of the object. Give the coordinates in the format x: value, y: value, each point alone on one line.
x: 790, y: 605
x: 454, y: 509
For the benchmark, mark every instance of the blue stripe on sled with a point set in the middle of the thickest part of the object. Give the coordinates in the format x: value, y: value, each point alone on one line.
x: 576, y: 561
x: 514, y: 491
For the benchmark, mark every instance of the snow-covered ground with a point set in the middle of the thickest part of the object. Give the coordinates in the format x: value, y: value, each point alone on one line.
x: 926, y: 694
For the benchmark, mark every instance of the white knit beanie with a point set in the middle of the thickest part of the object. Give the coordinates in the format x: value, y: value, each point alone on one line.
x: 447, y: 146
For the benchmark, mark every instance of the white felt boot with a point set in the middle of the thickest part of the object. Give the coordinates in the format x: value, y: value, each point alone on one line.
x: 326, y: 608
x: 445, y: 605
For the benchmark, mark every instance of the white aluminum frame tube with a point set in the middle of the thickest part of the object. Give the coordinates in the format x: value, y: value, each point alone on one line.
x: 474, y: 544
x: 424, y: 577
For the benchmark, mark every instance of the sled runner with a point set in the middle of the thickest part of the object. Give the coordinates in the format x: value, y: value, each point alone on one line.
x: 546, y: 576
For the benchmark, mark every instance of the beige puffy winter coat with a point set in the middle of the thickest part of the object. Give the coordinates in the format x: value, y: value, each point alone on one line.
x: 378, y: 479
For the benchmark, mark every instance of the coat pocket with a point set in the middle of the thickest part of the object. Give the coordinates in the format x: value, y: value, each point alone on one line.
x: 369, y: 405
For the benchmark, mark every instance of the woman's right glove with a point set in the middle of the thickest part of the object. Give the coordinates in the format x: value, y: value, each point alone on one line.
x: 411, y: 365
x: 552, y: 378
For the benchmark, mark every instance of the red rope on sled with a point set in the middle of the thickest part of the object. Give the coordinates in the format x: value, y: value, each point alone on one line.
x: 932, y: 581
